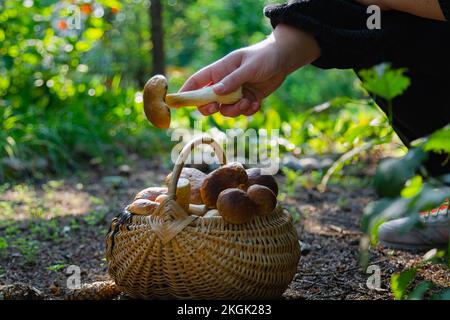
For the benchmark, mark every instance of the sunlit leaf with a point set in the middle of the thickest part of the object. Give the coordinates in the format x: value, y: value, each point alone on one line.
x: 412, y: 187
x: 385, y: 82
x: 401, y: 281
x: 439, y: 141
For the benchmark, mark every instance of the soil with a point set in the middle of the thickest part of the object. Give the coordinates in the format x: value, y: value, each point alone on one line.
x: 52, y: 226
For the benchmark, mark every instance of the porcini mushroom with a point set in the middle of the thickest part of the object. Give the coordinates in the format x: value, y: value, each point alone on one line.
x: 143, y: 207
x: 257, y: 176
x: 264, y: 198
x: 157, y: 102
x: 195, y: 178
x: 231, y: 175
x: 235, y: 206
x: 151, y: 193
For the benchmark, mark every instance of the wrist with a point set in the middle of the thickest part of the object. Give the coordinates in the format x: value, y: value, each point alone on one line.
x: 296, y: 47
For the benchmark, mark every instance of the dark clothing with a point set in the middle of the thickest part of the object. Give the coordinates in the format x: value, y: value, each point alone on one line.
x: 420, y: 45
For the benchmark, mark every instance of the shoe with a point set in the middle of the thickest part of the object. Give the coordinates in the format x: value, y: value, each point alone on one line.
x: 434, y: 234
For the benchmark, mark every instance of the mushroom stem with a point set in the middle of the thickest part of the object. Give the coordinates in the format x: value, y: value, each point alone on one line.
x: 197, y: 209
x: 201, y: 97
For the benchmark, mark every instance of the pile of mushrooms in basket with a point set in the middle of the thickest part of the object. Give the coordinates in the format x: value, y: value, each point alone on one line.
x: 232, y: 192
x: 216, y: 235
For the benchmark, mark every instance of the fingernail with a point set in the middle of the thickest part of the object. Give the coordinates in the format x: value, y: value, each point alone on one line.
x: 219, y: 87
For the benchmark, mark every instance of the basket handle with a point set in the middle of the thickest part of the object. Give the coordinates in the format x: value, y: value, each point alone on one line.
x: 179, y: 164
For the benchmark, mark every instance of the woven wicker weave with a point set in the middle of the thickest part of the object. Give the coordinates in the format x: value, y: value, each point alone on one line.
x: 171, y: 254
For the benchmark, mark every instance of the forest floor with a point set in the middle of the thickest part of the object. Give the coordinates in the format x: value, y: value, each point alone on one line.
x: 46, y: 228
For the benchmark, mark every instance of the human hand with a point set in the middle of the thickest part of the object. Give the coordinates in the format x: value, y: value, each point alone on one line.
x: 260, y: 69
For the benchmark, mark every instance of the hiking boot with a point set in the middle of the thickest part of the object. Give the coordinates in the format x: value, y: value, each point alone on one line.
x: 433, y: 234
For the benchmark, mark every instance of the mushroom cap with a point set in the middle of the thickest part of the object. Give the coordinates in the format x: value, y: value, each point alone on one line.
x: 231, y: 175
x: 155, y: 107
x: 264, y: 198
x: 195, y: 178
x: 143, y: 207
x: 257, y: 176
x: 151, y: 193
x: 235, y: 206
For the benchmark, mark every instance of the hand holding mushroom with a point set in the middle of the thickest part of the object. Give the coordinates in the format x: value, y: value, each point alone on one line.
x: 157, y: 102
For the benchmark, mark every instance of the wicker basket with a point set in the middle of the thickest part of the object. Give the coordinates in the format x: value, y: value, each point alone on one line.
x: 171, y: 254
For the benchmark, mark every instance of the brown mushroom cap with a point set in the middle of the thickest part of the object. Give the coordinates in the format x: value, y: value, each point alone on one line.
x: 232, y: 175
x: 256, y: 176
x: 155, y: 107
x: 143, y: 207
x: 195, y: 178
x: 235, y: 206
x: 264, y: 198
x: 151, y: 193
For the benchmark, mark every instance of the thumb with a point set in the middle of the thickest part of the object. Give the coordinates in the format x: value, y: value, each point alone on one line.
x: 231, y: 82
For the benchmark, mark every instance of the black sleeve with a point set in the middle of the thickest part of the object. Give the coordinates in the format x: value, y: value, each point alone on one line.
x: 445, y: 6
x: 340, y: 28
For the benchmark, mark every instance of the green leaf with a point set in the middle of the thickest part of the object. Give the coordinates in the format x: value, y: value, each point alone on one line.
x: 419, y: 291
x: 412, y: 187
x: 439, y: 141
x: 401, y: 281
x: 385, y: 82
x: 56, y: 267
x: 392, y: 174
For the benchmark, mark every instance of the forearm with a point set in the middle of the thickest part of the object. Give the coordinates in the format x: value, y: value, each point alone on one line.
x: 297, y: 48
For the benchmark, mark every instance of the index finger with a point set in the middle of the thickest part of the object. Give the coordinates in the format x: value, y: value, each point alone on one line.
x: 213, y: 73
x: 198, y: 80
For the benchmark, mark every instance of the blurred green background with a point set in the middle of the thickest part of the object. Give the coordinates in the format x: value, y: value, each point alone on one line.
x: 71, y: 97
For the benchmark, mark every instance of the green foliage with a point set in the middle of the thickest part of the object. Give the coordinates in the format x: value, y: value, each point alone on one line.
x: 59, y: 106
x: 439, y: 141
x: 405, y: 191
x: 56, y: 267
x: 3, y: 246
x: 402, y: 183
x: 28, y: 248
x: 392, y: 174
x: 385, y: 82
x: 401, y: 281
x: 70, y: 98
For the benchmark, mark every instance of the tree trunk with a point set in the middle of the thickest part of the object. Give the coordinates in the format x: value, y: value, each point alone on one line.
x: 157, y: 37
